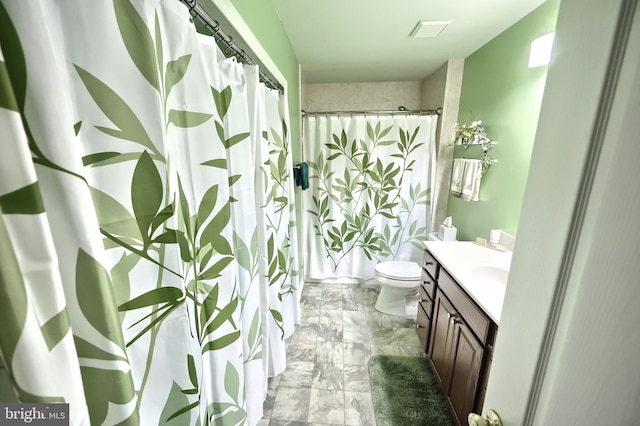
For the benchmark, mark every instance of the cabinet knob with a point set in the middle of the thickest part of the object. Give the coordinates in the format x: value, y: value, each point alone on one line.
x: 492, y: 419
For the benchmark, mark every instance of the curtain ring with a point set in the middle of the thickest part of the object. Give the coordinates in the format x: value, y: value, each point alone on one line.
x: 192, y: 12
x: 215, y: 28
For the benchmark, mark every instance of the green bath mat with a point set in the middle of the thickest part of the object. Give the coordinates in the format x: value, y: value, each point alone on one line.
x: 406, y: 393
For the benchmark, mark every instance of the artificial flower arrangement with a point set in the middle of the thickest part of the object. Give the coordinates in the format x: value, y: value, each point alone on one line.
x: 475, y: 134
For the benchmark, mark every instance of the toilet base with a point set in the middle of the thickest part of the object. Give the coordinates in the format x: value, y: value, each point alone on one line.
x: 398, y: 301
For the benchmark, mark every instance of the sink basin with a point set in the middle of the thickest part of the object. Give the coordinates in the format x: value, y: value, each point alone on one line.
x: 490, y: 275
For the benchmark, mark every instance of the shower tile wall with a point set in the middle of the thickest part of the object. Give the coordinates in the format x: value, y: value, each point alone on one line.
x: 326, y: 381
x: 442, y: 89
x: 361, y: 96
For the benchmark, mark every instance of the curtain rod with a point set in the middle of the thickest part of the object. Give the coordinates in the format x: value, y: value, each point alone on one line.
x: 196, y: 11
x: 400, y: 111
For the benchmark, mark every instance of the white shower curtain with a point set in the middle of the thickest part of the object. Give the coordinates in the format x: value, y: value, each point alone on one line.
x: 369, y: 196
x: 148, y: 270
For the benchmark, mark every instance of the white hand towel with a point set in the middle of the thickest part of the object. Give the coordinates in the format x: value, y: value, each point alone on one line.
x: 471, y: 180
x: 457, y: 173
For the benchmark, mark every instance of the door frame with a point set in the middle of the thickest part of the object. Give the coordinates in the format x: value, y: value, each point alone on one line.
x: 575, y: 114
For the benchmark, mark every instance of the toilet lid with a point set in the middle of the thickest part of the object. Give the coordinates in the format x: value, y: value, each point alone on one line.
x: 399, y: 270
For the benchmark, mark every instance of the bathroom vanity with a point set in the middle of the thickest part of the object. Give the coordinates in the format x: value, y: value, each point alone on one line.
x: 461, y: 295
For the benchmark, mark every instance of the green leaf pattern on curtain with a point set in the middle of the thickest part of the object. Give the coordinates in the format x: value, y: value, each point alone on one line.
x: 168, y: 316
x: 138, y: 41
x: 38, y: 336
x: 371, y: 191
x: 116, y: 109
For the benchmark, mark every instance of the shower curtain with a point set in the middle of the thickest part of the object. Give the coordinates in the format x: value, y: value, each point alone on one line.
x: 369, y: 197
x: 148, y: 270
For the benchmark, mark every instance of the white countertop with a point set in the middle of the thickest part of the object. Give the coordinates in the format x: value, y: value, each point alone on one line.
x: 482, y: 272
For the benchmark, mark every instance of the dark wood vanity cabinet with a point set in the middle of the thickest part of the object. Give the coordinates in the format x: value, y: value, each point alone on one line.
x: 456, y: 358
x: 460, y: 345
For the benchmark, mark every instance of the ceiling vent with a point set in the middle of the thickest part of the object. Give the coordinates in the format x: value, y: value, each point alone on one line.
x: 429, y: 28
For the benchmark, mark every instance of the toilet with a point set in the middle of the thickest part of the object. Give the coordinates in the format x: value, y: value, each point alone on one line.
x: 399, y: 282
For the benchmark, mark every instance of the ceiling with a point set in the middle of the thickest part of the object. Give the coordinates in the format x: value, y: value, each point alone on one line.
x: 368, y: 40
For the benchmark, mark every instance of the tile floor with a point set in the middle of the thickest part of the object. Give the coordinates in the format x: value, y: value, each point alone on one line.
x: 326, y: 381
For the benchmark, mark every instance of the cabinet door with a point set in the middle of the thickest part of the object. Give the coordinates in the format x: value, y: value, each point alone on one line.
x: 466, y: 363
x: 441, y: 338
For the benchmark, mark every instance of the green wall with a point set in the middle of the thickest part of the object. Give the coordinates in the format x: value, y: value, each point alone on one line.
x: 499, y: 89
x: 263, y: 20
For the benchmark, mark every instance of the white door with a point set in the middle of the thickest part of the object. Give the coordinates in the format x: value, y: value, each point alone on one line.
x: 568, y: 349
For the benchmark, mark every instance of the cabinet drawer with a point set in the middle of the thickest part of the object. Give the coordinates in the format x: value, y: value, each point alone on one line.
x: 422, y: 292
x: 430, y: 265
x: 423, y: 325
x: 428, y: 285
x: 427, y: 305
x: 475, y: 318
x: 427, y: 290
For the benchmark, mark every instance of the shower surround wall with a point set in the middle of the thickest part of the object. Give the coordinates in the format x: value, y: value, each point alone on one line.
x: 442, y: 89
x: 361, y: 96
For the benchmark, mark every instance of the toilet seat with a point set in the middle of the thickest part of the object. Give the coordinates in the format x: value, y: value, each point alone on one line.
x: 399, y: 271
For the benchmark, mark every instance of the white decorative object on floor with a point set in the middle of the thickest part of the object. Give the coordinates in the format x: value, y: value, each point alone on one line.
x: 399, y: 282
